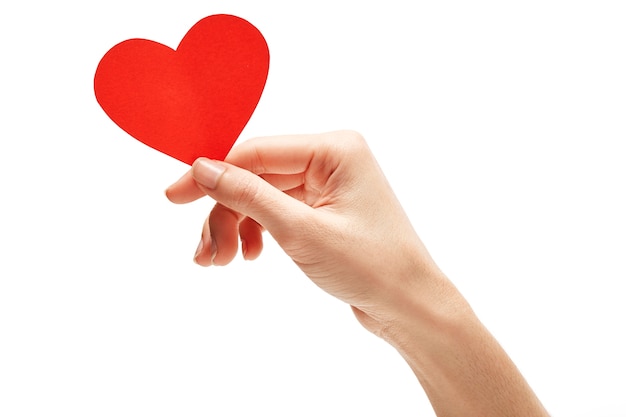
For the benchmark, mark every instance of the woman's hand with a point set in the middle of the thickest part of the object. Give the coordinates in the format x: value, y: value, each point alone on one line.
x: 326, y: 202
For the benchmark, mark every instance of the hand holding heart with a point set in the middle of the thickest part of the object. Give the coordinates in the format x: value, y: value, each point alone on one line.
x: 325, y: 201
x: 190, y: 102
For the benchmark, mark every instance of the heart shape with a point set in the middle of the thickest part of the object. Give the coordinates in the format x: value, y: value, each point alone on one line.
x: 190, y: 102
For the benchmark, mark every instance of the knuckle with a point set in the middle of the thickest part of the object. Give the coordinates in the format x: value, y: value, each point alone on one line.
x: 353, y: 138
x: 348, y: 141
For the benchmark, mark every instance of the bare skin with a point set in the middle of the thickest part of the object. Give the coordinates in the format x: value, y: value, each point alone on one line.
x: 326, y: 202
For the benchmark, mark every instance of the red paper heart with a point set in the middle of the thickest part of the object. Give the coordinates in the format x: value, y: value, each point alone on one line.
x: 190, y: 102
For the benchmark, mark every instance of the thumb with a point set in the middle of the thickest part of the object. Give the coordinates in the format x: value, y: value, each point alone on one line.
x: 246, y: 193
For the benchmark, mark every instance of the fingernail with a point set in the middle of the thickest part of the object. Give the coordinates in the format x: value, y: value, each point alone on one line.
x: 207, y: 172
x: 200, y: 246
x: 244, y: 248
x: 213, y: 250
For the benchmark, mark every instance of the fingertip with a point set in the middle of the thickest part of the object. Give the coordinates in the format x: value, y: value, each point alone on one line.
x: 222, y: 225
x: 251, y: 235
x: 251, y: 249
x: 167, y: 194
x: 174, y: 195
x: 184, y: 190
x: 205, y: 253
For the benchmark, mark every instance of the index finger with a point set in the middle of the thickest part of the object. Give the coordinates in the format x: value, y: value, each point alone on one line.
x: 287, y: 154
x: 281, y: 160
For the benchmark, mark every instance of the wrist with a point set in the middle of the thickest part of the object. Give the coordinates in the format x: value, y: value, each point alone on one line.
x: 462, y: 368
x: 429, y: 315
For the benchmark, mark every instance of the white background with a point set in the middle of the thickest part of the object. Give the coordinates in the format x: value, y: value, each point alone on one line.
x: 500, y: 125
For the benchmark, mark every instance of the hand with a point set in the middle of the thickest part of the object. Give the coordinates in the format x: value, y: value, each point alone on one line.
x: 326, y: 202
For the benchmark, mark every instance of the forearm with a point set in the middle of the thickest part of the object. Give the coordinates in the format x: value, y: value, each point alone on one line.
x: 462, y: 368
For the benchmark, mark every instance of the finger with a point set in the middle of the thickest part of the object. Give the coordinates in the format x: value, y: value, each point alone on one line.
x: 246, y: 193
x: 290, y: 154
x: 224, y: 229
x: 184, y: 190
x: 251, y: 234
x: 276, y: 154
x: 206, y: 247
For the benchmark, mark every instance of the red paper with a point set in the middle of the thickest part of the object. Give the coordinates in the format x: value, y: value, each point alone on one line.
x: 190, y: 102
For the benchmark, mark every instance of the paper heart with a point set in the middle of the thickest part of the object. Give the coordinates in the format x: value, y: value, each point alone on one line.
x: 190, y: 102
